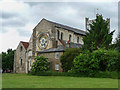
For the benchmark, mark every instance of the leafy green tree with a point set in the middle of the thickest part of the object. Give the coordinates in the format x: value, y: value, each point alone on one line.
x: 7, y: 59
x: 85, y: 63
x: 68, y: 57
x: 99, y: 60
x: 10, y: 58
x: 4, y: 61
x: 113, y: 60
x: 99, y: 35
x: 117, y: 43
x: 41, y: 64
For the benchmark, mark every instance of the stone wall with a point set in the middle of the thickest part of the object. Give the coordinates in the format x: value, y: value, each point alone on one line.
x: 53, y: 60
x: 66, y: 34
x: 44, y: 27
x: 20, y: 59
x: 48, y: 28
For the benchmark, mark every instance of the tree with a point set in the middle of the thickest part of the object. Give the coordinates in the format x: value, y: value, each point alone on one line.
x: 119, y: 35
x: 117, y: 43
x: 4, y: 61
x: 41, y: 64
x: 10, y: 58
x: 68, y: 57
x: 99, y: 60
x: 85, y: 63
x: 98, y: 36
x: 7, y: 59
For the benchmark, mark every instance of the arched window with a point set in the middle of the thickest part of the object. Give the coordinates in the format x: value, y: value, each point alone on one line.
x: 58, y: 33
x: 70, y: 38
x: 21, y: 61
x: 77, y: 39
x: 21, y: 48
x: 61, y: 36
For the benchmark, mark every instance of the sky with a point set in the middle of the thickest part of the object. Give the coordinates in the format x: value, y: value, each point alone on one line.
x: 18, y: 18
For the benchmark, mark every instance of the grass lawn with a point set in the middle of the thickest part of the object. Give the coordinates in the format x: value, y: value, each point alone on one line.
x: 29, y: 81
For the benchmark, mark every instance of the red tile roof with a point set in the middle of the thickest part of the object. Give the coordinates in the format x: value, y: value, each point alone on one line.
x: 25, y: 44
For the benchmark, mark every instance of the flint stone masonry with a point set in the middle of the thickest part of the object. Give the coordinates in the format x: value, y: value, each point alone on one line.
x: 44, y: 41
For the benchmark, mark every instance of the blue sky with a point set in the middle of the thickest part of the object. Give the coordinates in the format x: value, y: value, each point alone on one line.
x: 18, y: 18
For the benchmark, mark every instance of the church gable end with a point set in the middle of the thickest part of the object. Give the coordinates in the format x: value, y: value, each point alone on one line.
x: 20, y: 57
x: 48, y: 39
x: 43, y: 36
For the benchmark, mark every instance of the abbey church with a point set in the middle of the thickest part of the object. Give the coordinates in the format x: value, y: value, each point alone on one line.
x: 49, y: 39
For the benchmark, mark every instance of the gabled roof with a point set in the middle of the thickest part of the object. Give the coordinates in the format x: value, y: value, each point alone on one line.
x: 51, y: 50
x: 77, y: 31
x: 25, y: 44
x: 61, y: 48
x: 71, y: 44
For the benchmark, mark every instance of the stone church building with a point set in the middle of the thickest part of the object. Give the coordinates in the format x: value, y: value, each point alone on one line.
x: 49, y: 39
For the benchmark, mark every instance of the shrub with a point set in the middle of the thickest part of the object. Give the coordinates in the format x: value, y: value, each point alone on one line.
x: 100, y: 74
x: 54, y: 73
x: 107, y: 74
x: 41, y: 64
x: 85, y: 63
x: 98, y: 60
x: 99, y: 55
x: 113, y: 60
x: 68, y: 57
x: 109, y: 59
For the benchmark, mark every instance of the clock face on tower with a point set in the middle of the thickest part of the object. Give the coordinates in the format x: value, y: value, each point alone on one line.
x: 43, y: 41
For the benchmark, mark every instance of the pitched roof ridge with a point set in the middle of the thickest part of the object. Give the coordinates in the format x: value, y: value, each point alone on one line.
x: 59, y: 25
x: 25, y: 44
x: 63, y: 25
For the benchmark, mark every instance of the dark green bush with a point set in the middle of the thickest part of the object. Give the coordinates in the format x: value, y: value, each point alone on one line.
x: 99, y: 55
x: 84, y: 63
x: 52, y: 73
x: 113, y: 60
x: 41, y: 64
x: 46, y: 73
x: 99, y: 74
x: 68, y: 57
x: 107, y: 74
x: 109, y: 59
x: 99, y: 60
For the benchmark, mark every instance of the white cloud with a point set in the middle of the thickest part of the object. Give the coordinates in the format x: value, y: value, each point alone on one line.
x: 13, y: 6
x: 68, y: 11
x: 72, y: 0
x: 10, y: 39
x: 28, y: 15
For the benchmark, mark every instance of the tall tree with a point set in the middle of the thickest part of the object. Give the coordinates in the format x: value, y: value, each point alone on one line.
x: 8, y: 60
x: 98, y: 35
x: 4, y: 65
x: 68, y: 57
x: 117, y: 42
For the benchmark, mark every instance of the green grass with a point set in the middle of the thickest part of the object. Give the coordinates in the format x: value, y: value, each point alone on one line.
x: 29, y: 81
